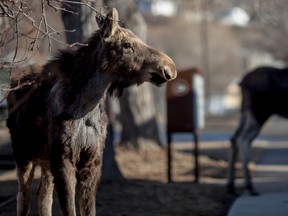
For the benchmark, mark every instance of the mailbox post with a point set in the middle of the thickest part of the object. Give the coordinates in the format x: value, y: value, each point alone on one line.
x: 185, y: 111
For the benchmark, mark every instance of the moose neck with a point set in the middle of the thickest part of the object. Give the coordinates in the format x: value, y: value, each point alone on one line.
x: 85, y: 81
x: 88, y: 70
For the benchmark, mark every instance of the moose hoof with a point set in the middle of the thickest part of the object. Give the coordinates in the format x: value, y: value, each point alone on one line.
x: 231, y: 190
x: 252, y: 191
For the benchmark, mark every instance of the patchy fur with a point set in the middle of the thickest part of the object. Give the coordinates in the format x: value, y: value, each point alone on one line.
x: 57, y: 116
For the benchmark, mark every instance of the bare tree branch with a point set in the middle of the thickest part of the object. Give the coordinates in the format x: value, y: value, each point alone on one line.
x: 19, y: 10
x: 15, y: 13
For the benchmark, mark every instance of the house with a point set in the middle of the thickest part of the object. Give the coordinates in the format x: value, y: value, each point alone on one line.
x: 158, y: 7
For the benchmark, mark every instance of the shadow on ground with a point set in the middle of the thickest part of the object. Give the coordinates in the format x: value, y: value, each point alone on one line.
x: 139, y: 198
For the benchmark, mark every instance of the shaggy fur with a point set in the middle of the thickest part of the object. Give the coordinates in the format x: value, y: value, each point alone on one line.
x: 57, y: 116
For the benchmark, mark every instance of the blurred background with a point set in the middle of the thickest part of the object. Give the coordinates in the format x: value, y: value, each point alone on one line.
x: 222, y: 39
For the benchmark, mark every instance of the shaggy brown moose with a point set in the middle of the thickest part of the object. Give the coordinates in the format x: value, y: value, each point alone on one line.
x: 60, y: 121
x: 263, y: 91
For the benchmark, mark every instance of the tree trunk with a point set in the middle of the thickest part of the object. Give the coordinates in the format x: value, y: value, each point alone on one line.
x: 139, y: 125
x: 137, y: 104
x: 110, y: 169
x: 85, y: 25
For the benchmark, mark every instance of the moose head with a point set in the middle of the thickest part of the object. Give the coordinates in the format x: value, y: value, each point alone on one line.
x: 129, y: 59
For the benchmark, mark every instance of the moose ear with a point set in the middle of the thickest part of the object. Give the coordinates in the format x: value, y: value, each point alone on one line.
x: 108, y: 24
x: 100, y: 19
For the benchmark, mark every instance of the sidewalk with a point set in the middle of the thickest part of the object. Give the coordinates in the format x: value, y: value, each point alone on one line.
x: 271, y: 181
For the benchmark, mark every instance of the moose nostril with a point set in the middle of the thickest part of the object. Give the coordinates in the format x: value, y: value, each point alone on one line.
x: 167, y: 73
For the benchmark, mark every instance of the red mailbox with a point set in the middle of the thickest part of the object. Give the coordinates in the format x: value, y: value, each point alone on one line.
x: 185, y: 110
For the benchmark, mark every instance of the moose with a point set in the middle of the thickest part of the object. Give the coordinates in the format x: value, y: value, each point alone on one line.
x: 57, y: 115
x: 263, y: 91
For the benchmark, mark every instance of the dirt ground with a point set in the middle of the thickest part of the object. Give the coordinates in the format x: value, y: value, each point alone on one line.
x: 146, y: 198
x: 145, y: 191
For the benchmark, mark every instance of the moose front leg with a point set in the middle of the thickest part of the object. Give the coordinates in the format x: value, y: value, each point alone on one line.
x: 247, y: 131
x: 25, y: 172
x: 65, y: 184
x: 88, y: 178
x: 45, y: 191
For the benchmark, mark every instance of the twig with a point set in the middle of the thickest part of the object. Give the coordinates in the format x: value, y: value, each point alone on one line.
x: 18, y: 10
x: 6, y: 88
x: 77, y: 44
x: 17, y: 44
x: 60, y: 8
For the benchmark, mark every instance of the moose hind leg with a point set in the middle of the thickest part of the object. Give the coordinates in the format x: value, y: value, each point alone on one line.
x: 251, y: 129
x: 233, y: 154
x: 25, y: 172
x: 45, y: 191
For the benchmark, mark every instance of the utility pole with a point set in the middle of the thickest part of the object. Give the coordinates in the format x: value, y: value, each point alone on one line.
x: 205, y: 50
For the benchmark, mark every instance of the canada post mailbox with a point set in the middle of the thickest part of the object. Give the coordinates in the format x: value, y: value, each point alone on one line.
x: 185, y: 110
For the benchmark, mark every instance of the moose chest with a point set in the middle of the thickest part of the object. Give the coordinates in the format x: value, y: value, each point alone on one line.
x: 90, y: 130
x: 73, y: 135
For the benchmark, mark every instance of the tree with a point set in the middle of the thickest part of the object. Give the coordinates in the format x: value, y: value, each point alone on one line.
x: 26, y: 36
x: 267, y: 24
x: 269, y: 21
x: 137, y: 104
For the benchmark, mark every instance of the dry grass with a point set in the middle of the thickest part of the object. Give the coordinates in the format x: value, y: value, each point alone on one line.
x: 151, y: 164
x: 145, y: 191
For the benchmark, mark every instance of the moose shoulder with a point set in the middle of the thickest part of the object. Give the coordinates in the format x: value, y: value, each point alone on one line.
x: 59, y: 121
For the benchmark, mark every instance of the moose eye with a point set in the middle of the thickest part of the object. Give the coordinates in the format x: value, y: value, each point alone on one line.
x: 127, y: 45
